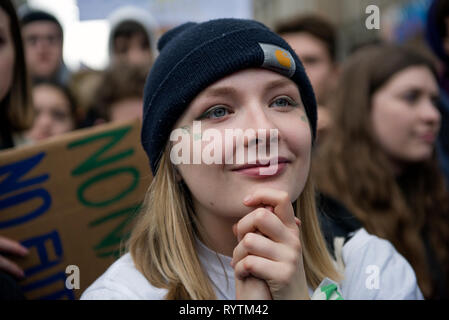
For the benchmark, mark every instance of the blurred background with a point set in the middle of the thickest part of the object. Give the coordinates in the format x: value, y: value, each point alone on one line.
x: 379, y: 71
x: 86, y: 27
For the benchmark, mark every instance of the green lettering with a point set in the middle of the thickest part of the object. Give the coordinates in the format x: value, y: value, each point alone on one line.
x: 95, y: 160
x: 106, y: 175
x: 115, y: 236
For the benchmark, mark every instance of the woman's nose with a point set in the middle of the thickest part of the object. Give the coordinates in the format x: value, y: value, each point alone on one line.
x: 430, y: 113
x: 44, y: 122
x: 266, y: 132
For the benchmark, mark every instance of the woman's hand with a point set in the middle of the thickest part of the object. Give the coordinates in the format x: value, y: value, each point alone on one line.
x: 250, y: 288
x: 9, y: 246
x: 269, y: 248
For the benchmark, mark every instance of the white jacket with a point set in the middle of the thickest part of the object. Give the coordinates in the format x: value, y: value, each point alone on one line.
x: 365, y: 257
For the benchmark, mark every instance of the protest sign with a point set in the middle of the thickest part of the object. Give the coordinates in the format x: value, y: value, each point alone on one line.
x: 71, y: 200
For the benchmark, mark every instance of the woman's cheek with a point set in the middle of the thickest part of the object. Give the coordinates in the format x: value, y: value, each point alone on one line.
x: 298, y: 139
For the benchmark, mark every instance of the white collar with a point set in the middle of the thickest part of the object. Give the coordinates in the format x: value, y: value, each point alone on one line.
x: 220, y: 272
x: 219, y: 269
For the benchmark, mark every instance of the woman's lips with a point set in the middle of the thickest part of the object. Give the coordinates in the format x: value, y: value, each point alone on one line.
x: 428, y: 137
x: 263, y: 171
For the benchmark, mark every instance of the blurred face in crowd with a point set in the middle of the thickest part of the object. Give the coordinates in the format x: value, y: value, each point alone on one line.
x: 133, y: 49
x: 43, y: 48
x: 7, y: 53
x: 316, y: 59
x: 53, y: 114
x: 126, y: 109
x: 404, y: 115
x: 321, y: 70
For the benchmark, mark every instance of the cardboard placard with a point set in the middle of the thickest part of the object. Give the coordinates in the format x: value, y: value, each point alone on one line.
x: 71, y: 201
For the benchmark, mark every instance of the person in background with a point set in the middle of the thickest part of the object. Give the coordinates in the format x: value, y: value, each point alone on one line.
x: 314, y: 39
x: 55, y: 110
x: 84, y: 85
x: 133, y: 37
x: 16, y: 114
x: 15, y: 117
x: 43, y: 38
x: 378, y: 165
x: 119, y: 95
x: 437, y: 34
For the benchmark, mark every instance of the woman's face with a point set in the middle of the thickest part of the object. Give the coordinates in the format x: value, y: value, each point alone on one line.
x: 134, y: 50
x: 249, y: 100
x: 7, y: 53
x: 404, y: 115
x: 53, y: 115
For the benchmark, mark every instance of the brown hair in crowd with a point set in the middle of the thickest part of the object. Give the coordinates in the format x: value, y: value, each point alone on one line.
x: 129, y: 28
x: 315, y: 25
x: 16, y: 113
x: 352, y: 168
x: 119, y: 82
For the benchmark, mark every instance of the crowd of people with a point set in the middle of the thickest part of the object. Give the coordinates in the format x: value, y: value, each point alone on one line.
x: 365, y: 137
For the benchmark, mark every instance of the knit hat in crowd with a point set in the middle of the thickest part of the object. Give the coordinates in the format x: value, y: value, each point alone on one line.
x: 195, y: 55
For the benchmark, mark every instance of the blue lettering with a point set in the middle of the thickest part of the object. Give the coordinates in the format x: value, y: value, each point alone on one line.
x: 39, y: 243
x: 15, y: 171
x: 60, y: 276
x: 20, y: 198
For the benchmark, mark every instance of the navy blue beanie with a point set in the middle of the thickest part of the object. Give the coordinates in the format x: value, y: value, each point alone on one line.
x: 195, y: 55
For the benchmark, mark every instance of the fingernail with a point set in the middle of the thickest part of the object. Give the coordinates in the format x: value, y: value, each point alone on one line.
x: 247, y: 198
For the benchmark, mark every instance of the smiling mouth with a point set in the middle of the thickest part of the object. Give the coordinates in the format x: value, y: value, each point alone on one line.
x: 428, y: 138
x: 259, y: 169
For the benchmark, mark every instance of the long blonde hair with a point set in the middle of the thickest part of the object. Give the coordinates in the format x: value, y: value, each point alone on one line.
x: 162, y: 243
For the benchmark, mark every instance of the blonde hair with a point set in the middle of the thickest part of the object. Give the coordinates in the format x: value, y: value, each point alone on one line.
x: 162, y: 243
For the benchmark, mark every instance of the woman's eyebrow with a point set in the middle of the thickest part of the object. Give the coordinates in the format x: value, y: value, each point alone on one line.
x: 417, y: 88
x: 220, y: 91
x: 278, y: 84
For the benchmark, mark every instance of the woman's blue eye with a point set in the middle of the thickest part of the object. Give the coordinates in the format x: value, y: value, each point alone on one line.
x: 284, y: 102
x: 215, y: 113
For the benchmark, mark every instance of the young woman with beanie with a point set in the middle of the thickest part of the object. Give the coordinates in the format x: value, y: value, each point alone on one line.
x: 226, y: 229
